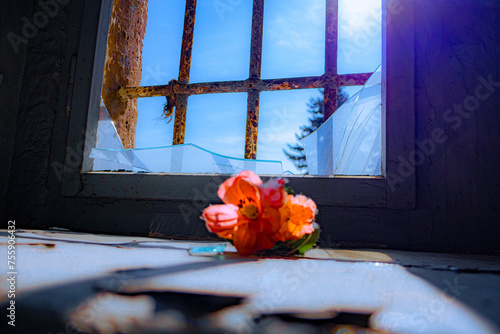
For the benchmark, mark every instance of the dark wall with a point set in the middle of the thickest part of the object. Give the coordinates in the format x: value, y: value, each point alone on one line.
x: 52, y: 34
x: 458, y: 195
x: 12, y: 62
x: 457, y: 48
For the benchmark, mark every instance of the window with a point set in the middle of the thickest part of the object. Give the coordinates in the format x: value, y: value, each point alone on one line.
x: 179, y: 93
x: 386, y: 191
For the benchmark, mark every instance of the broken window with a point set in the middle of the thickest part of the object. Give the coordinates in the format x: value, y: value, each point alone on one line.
x: 390, y: 189
x: 295, y: 46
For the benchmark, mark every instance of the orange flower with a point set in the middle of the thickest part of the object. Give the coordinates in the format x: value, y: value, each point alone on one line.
x: 250, y: 215
x: 297, y: 216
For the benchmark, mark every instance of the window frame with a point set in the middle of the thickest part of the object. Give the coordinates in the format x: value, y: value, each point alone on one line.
x: 398, y: 131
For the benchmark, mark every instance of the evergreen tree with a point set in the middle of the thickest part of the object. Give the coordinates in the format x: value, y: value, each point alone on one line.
x: 316, y: 109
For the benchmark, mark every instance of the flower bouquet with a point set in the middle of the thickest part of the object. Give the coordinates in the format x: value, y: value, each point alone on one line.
x: 262, y: 218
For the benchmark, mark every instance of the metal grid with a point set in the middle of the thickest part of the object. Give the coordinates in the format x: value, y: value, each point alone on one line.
x: 177, y: 92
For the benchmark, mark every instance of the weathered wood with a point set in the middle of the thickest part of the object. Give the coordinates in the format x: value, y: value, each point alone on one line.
x: 84, y: 111
x: 349, y: 191
x: 96, y: 84
x: 398, y: 103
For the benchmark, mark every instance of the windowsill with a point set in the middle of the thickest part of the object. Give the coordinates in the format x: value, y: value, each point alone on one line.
x: 330, y: 190
x: 116, y: 273
x: 228, y: 175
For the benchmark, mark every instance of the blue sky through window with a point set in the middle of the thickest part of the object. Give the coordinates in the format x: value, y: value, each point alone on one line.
x: 293, y: 46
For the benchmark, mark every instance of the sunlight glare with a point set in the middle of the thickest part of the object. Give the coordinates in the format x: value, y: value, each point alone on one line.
x: 356, y: 13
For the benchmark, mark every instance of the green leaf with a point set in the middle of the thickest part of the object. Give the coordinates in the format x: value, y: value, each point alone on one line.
x: 289, y: 190
x: 310, y: 242
x: 292, y: 247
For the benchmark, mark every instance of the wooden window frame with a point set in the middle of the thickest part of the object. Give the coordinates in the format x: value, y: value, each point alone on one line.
x: 398, y: 131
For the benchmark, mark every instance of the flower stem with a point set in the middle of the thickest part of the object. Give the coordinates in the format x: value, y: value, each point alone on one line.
x: 298, y: 247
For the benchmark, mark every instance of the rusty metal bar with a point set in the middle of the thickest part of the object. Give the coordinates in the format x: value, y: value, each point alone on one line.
x: 330, y: 96
x: 180, y: 119
x: 252, y: 126
x: 184, y: 69
x: 187, y: 41
x: 243, y: 86
x: 357, y: 79
x: 256, y: 41
x: 144, y: 91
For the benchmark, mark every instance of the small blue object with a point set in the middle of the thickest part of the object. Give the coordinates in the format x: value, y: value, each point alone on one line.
x: 207, y: 250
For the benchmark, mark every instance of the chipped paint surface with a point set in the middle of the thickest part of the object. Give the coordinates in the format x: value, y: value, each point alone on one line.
x: 153, y: 276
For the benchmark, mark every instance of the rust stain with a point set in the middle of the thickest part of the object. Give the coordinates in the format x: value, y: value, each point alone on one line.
x: 245, y: 85
x: 256, y: 39
x: 155, y: 235
x: 357, y: 79
x: 184, y: 70
x: 329, y: 101
x: 331, y: 84
x: 44, y: 244
x: 285, y: 85
x: 180, y: 119
x: 331, y: 37
x: 177, y: 92
x: 187, y: 41
x: 252, y: 127
x: 48, y: 245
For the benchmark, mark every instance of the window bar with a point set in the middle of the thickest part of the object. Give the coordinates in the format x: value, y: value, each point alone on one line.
x: 240, y: 86
x: 332, y: 82
x: 252, y: 127
x: 184, y: 69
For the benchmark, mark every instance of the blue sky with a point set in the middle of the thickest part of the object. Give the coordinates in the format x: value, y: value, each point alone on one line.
x: 293, y: 45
